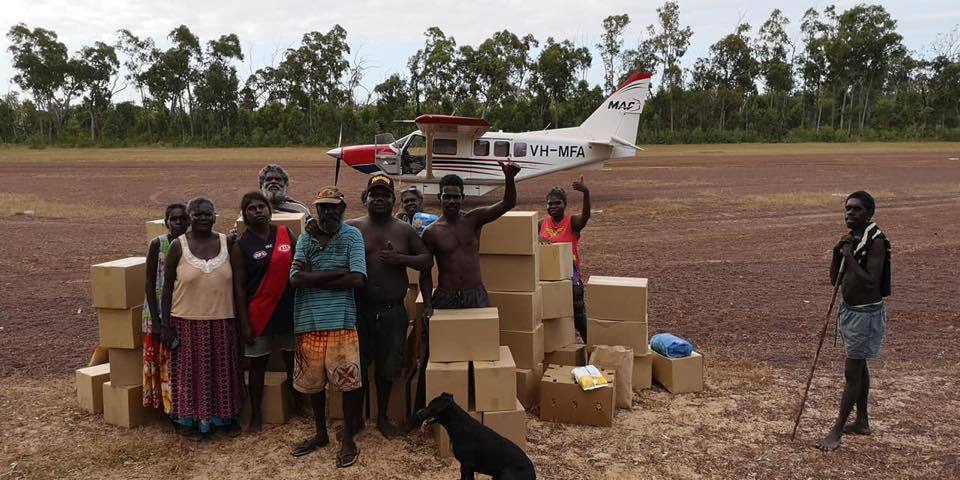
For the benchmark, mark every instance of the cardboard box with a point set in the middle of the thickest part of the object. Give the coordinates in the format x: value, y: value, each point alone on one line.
x: 276, y: 398
x: 296, y: 222
x: 444, y: 448
x: 557, y: 298
x: 155, y: 228
x: 574, y: 355
x: 123, y: 405
x: 526, y: 347
x: 610, y: 332
x: 126, y: 366
x: 556, y: 261
x: 562, y: 400
x: 678, y: 375
x: 518, y: 310
x: 90, y: 382
x: 642, y: 371
x: 121, y: 328
x: 509, y: 273
x: 515, y: 233
x: 617, y: 298
x: 460, y: 335
x: 528, y: 385
x: 510, y: 424
x: 558, y: 333
x: 452, y: 378
x: 494, y: 383
x: 119, y: 284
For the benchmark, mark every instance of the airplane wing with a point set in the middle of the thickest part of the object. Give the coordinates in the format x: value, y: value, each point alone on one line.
x: 460, y: 126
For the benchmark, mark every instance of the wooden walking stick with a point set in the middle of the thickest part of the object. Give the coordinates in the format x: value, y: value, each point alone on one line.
x: 823, y: 332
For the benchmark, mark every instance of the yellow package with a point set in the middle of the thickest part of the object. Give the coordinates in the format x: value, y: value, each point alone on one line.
x: 589, y: 378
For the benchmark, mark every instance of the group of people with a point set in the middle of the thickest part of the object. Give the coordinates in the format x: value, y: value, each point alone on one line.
x: 331, y: 299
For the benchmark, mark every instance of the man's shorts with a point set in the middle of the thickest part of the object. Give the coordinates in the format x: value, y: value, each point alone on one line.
x: 862, y: 329
x: 263, y: 345
x: 327, y: 356
x: 383, y: 338
x: 471, y: 298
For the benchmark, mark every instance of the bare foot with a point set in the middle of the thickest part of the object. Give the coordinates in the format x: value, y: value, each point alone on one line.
x: 255, y: 425
x: 857, y: 428
x: 831, y: 442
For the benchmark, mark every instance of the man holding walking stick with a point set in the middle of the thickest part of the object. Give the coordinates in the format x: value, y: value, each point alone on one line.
x: 861, y: 262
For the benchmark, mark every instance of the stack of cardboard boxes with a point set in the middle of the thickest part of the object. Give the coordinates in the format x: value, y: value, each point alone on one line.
x: 118, y: 293
x: 617, y: 315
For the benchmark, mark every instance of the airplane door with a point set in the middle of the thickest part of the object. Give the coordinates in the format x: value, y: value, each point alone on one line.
x: 386, y: 158
x: 413, y: 155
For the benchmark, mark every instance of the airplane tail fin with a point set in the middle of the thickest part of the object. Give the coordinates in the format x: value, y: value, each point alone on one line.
x: 619, y: 115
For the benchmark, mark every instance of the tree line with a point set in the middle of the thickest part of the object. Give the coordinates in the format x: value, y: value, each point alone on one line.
x: 848, y: 76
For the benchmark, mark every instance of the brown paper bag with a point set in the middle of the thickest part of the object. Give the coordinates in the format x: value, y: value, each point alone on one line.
x: 617, y: 358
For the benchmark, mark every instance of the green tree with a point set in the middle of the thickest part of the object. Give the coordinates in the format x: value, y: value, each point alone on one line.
x: 664, y: 48
x: 611, y: 49
x: 96, y: 73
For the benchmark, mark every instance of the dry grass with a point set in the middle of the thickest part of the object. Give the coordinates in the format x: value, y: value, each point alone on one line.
x: 650, y: 208
x: 950, y: 149
x: 12, y: 204
x: 808, y: 200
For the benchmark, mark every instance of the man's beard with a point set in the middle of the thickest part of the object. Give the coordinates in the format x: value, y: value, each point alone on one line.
x: 275, y: 196
x: 329, y: 226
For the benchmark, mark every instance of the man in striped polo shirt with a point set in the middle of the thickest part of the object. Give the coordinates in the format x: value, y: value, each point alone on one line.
x: 326, y: 269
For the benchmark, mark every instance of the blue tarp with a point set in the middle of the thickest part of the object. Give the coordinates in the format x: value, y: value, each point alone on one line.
x: 670, y: 345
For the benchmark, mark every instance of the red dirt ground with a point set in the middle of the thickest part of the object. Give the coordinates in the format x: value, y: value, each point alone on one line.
x: 735, y: 245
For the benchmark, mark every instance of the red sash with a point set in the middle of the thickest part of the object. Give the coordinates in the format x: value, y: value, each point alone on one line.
x: 274, y: 283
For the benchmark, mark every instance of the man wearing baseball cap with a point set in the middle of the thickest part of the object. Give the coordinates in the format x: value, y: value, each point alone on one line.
x: 327, y: 267
x: 391, y: 246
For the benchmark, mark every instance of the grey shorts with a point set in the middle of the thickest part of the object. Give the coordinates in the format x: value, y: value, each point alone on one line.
x: 862, y: 329
x: 262, y: 346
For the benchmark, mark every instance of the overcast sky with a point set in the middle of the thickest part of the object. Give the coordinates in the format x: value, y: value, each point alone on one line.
x: 384, y: 34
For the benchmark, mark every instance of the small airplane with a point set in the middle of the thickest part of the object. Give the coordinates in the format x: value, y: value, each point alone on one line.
x: 445, y: 144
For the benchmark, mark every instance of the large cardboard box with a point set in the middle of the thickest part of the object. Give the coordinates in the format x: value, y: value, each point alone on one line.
x: 528, y: 385
x: 509, y: 273
x: 562, y: 400
x: 126, y: 366
x: 296, y: 222
x: 557, y: 298
x: 444, y: 448
x: 155, y: 228
x: 678, y: 375
x: 557, y: 333
x: 518, y: 310
x: 642, y: 371
x: 556, y: 261
x: 515, y: 233
x: 460, y: 335
x: 494, y: 383
x: 510, y: 424
x: 617, y: 298
x: 611, y: 332
x: 526, y: 347
x: 121, y: 328
x: 574, y: 355
x: 119, y: 284
x: 452, y: 378
x: 123, y: 405
x: 90, y: 382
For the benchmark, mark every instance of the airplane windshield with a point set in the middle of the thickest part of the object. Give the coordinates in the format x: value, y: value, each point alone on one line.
x: 413, y: 156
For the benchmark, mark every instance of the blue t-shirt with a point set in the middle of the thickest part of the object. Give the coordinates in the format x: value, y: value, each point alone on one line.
x: 422, y: 220
x: 317, y: 309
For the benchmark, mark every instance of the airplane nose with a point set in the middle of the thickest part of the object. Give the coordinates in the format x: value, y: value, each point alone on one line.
x: 335, y: 153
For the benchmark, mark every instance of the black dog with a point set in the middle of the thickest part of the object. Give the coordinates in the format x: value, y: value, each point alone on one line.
x: 476, y: 447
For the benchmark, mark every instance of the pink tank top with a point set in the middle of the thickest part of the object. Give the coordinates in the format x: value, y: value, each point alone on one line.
x: 562, y: 233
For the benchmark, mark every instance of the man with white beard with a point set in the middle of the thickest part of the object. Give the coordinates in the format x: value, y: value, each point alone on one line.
x: 273, y: 184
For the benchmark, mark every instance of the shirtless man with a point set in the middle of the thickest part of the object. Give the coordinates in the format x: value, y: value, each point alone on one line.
x: 454, y: 240
x: 391, y: 246
x: 861, y: 318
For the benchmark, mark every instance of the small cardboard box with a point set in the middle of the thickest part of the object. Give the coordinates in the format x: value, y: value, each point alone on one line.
x: 509, y: 273
x: 155, y: 228
x: 510, y: 424
x: 610, y: 332
x: 126, y: 366
x: 642, y: 371
x: 678, y: 375
x: 557, y: 298
x: 562, y: 400
x: 296, y: 222
x: 518, y: 310
x: 528, y: 385
x: 556, y: 261
x: 121, y: 328
x: 515, y: 233
x: 558, y: 333
x: 119, y: 284
x: 413, y: 275
x: 617, y: 298
x: 123, y: 406
x: 452, y: 378
x: 526, y: 347
x: 460, y: 335
x: 494, y: 383
x: 574, y: 355
x: 444, y: 448
x: 90, y: 382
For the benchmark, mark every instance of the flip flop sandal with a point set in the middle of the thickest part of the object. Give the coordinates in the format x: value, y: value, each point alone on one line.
x: 347, y: 460
x: 308, y: 446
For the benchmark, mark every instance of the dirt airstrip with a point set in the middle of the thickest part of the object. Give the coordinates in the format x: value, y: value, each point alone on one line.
x: 734, y: 239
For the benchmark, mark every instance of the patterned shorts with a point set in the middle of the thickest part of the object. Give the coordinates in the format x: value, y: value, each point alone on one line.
x: 328, y: 356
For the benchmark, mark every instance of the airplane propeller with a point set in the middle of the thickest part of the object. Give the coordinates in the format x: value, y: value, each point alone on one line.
x: 336, y: 174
